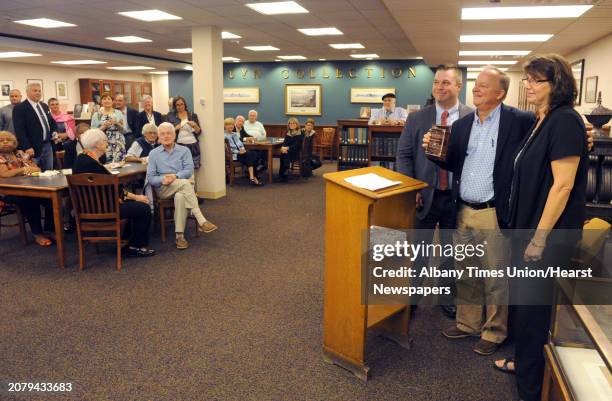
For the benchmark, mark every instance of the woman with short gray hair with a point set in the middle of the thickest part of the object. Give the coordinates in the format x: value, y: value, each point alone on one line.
x: 147, y: 116
x: 132, y: 206
x: 139, y: 151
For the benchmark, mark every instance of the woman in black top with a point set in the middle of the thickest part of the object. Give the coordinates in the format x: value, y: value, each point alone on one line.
x: 134, y: 207
x: 548, y: 197
x: 292, y: 144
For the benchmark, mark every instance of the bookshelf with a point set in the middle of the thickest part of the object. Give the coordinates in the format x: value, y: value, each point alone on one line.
x: 383, y: 141
x: 353, y: 139
x: 92, y: 89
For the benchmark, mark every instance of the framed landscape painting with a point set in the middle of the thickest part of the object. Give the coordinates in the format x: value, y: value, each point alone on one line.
x: 61, y: 90
x: 301, y: 99
x: 369, y: 95
x: 590, y: 91
x: 240, y: 95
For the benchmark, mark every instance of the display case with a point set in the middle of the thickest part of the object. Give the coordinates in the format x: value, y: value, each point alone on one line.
x: 579, y: 355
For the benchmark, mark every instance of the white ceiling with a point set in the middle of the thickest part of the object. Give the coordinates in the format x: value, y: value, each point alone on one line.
x: 394, y: 29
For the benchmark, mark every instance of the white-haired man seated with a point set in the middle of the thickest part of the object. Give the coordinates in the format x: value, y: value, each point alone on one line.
x: 254, y: 128
x: 170, y: 172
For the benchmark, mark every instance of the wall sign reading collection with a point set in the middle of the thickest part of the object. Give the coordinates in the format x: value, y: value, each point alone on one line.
x: 326, y: 73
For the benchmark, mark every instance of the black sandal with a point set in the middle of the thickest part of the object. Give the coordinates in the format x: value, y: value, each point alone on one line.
x: 504, y: 368
x: 256, y: 183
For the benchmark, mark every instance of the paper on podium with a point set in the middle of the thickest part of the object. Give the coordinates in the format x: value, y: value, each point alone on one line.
x: 371, y: 181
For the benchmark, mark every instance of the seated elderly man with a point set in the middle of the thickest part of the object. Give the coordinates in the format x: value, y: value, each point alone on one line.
x: 170, y: 172
x: 389, y: 114
x: 254, y: 128
x: 141, y: 147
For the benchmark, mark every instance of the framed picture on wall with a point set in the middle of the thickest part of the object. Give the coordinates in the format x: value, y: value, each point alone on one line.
x: 5, y: 89
x: 369, y: 95
x: 42, y: 88
x: 61, y: 90
x: 303, y: 99
x: 240, y: 95
x: 590, y: 90
x: 578, y: 72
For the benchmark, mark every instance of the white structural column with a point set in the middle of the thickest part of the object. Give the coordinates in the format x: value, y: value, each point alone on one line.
x: 208, y: 104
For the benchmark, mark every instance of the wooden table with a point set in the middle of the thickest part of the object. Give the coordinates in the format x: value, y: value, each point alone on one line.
x: 269, y: 145
x: 55, y: 188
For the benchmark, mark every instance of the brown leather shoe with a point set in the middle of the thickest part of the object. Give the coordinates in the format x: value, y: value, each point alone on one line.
x: 454, y: 333
x: 207, y: 227
x: 484, y: 347
x: 181, y: 243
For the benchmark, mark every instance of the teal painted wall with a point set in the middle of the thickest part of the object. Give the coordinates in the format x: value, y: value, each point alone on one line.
x: 409, y: 88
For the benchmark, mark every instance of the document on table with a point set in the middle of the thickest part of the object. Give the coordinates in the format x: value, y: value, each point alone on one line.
x: 371, y: 182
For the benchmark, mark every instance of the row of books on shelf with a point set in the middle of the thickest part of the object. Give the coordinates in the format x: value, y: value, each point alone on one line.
x: 349, y: 154
x: 384, y: 146
x: 354, y: 135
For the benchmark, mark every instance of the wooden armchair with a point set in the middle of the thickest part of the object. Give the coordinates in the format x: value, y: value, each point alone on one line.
x: 326, y: 145
x: 95, y: 199
x: 7, y: 209
x: 165, y: 211
x: 298, y: 166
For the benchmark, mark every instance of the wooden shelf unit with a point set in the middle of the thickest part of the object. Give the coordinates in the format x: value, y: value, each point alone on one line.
x: 353, y: 151
x: 91, y: 90
x: 383, y: 141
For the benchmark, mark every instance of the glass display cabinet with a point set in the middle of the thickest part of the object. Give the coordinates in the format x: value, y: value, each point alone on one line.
x: 579, y: 354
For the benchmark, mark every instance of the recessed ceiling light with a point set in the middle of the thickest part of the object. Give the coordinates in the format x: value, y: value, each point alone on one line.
x: 485, y: 62
x: 472, y: 75
x: 229, y: 35
x: 494, y: 52
x: 45, y: 23
x: 370, y: 56
x: 261, y: 48
x: 472, y: 69
x: 278, y: 60
x: 17, y: 54
x: 293, y: 57
x: 188, y: 68
x: 280, y: 7
x: 131, y: 67
x: 149, y: 15
x: 322, y: 59
x: 504, y: 38
x: 419, y: 58
x: 347, y: 46
x: 159, y: 72
x: 320, y: 31
x: 128, y: 39
x: 529, y: 12
x: 78, y: 62
x: 183, y: 50
x: 231, y: 59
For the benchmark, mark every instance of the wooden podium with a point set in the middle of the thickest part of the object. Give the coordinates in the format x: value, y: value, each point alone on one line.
x: 350, y: 211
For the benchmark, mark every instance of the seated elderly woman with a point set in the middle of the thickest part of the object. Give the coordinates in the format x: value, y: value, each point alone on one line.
x: 292, y: 144
x: 133, y: 207
x: 141, y: 147
x: 170, y: 172
x: 73, y: 147
x: 245, y: 157
x: 15, y: 163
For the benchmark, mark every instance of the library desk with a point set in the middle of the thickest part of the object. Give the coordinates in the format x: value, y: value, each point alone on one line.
x: 269, y: 145
x: 349, y: 213
x: 55, y: 188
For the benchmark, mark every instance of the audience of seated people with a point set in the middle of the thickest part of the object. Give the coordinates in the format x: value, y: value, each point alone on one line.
x: 290, y: 150
x: 170, y: 172
x: 15, y: 163
x: 187, y: 127
x: 110, y: 121
x: 247, y: 158
x: 133, y: 207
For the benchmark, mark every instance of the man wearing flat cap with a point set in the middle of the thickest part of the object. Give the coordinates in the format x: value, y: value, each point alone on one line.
x: 389, y: 114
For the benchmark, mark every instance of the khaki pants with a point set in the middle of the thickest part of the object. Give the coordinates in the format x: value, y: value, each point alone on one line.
x: 185, y: 201
x: 482, y: 303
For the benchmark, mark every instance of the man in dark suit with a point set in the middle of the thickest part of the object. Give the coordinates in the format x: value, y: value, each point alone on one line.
x: 130, y: 114
x: 148, y: 115
x: 481, y: 157
x: 434, y: 206
x: 35, y: 128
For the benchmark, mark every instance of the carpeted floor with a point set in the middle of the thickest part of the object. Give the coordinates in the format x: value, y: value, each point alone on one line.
x: 237, y: 316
